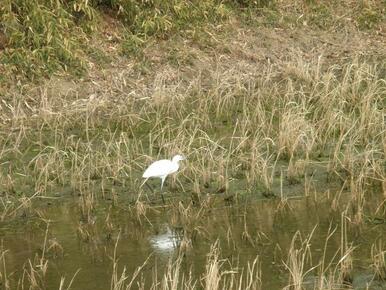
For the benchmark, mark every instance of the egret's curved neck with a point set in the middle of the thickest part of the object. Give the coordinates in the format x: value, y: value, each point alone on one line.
x: 175, y: 160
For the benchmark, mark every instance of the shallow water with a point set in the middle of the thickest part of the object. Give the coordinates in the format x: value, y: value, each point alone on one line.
x: 244, y: 229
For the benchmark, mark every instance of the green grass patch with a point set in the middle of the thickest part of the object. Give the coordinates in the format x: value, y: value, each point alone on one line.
x: 39, y: 38
x: 369, y: 18
x: 43, y: 36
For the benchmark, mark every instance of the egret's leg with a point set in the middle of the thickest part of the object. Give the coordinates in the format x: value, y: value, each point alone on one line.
x: 148, y: 185
x: 162, y: 182
x: 162, y: 185
x: 151, y: 188
x: 144, y: 182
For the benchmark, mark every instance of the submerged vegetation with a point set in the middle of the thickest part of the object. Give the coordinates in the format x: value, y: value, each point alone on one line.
x: 268, y: 101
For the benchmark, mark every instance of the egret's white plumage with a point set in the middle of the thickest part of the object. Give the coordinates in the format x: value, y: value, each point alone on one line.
x: 162, y: 168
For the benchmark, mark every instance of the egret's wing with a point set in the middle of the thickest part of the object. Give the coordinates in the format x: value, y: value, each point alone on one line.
x: 158, y: 169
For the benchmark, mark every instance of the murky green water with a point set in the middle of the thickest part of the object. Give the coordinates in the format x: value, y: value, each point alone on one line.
x: 245, y: 229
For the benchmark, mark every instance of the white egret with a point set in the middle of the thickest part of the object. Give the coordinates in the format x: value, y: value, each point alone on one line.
x: 162, y: 168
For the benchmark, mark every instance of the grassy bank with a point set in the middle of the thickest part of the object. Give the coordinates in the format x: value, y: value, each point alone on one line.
x: 43, y: 37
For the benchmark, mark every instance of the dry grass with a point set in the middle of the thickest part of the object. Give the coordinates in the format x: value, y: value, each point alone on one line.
x: 3, y: 266
x: 299, y: 258
x: 379, y: 260
x: 216, y: 276
x: 235, y: 130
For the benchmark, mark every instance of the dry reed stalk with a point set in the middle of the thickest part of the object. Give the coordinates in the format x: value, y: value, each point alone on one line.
x: 299, y: 257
